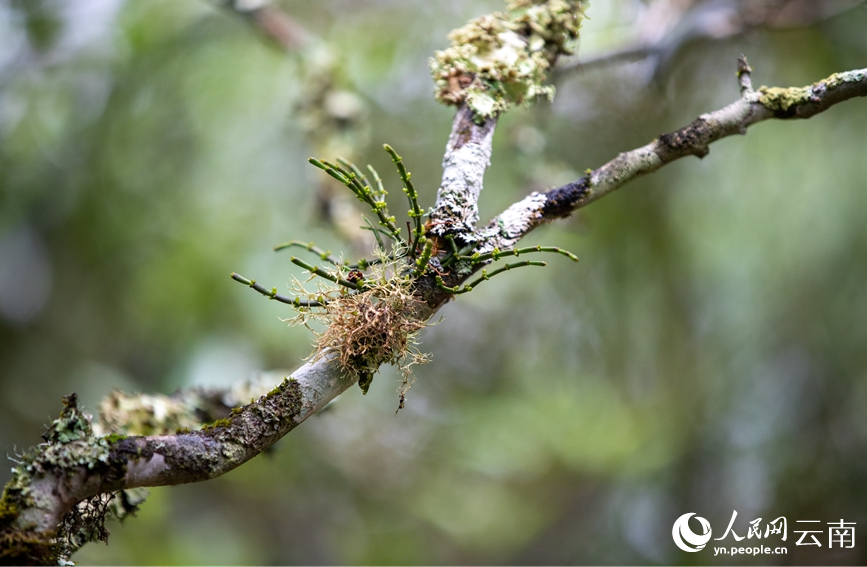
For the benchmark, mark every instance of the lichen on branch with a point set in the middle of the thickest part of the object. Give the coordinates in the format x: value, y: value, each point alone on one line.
x: 501, y: 59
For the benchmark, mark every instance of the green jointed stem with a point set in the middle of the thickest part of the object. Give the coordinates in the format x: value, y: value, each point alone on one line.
x: 496, y: 253
x: 452, y: 243
x: 272, y: 294
x: 322, y: 273
x: 380, y: 190
x: 411, y: 194
x: 354, y: 169
x: 323, y: 254
x: 375, y: 232
x: 485, y: 276
x: 451, y: 256
x: 363, y: 264
x: 454, y: 258
x: 362, y: 192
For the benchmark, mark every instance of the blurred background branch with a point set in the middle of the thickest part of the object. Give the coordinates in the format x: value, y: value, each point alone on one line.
x: 334, y: 116
x: 667, y: 27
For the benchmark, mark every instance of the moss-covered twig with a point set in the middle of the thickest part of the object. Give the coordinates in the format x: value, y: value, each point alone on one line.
x: 272, y: 294
x: 484, y: 277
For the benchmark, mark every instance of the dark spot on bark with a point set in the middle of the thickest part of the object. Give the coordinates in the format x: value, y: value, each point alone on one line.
x: 560, y: 202
x: 129, y: 448
x: 691, y: 140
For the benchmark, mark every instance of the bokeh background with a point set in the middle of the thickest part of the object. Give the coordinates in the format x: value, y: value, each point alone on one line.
x: 707, y: 354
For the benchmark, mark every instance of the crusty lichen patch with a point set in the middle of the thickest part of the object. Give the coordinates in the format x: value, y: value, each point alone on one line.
x: 69, y: 443
x: 779, y: 98
x: 501, y: 59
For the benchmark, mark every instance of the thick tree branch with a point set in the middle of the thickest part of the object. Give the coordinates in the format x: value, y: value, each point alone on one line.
x: 467, y: 157
x: 752, y: 107
x: 74, y: 464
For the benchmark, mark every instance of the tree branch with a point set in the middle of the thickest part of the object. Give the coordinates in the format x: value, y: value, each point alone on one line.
x: 467, y: 157
x: 74, y: 464
x: 715, y: 21
x: 752, y: 107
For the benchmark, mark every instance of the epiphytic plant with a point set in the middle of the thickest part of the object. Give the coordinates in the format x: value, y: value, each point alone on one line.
x: 370, y: 308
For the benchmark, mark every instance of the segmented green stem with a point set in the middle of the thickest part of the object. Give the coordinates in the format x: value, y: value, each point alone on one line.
x: 364, y: 194
x: 421, y: 264
x: 272, y: 294
x: 376, y: 231
x: 354, y: 169
x: 496, y: 253
x: 456, y: 254
x: 485, y: 276
x: 415, y: 211
x: 323, y: 274
x: 323, y: 254
x: 380, y: 192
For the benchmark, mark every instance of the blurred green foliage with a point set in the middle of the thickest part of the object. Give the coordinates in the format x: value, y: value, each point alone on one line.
x: 707, y: 355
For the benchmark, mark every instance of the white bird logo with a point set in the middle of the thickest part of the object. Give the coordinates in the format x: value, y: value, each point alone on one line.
x: 685, y: 538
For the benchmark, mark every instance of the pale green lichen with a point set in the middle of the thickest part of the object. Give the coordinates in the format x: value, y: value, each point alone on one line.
x: 779, y: 98
x: 69, y: 444
x: 501, y: 59
x: 784, y: 98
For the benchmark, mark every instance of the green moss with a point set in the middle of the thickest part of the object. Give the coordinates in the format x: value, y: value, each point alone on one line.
x: 112, y: 438
x: 277, y: 390
x: 8, y: 509
x: 501, y: 59
x: 182, y: 430
x: 27, y: 548
x: 216, y: 424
